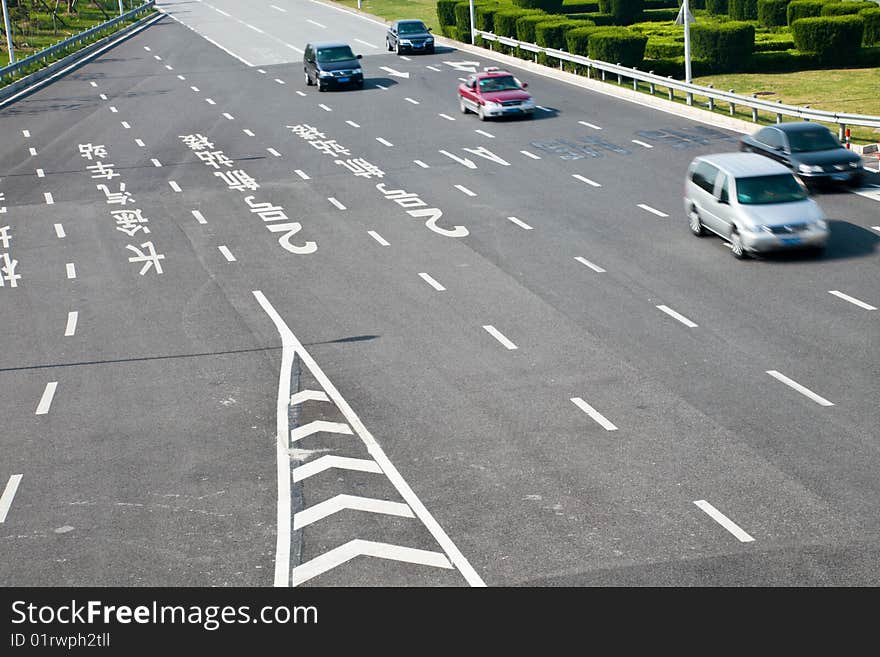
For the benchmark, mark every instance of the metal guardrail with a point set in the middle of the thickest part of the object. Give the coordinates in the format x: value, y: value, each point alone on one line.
x: 45, y: 54
x: 690, y: 90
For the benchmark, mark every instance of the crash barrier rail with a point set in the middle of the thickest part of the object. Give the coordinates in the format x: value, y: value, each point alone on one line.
x: 46, y: 54
x: 711, y: 94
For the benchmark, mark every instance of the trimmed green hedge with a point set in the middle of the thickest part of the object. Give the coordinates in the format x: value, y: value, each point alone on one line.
x: 599, y: 18
x: 716, y: 7
x: 773, y: 13
x: 661, y: 4
x: 578, y: 7
x: 626, y: 12
x: 549, y: 6
x: 484, y: 17
x: 726, y: 46
x: 552, y: 33
x: 605, y: 6
x: 742, y: 10
x: 872, y: 26
x: 774, y: 46
x: 525, y: 26
x: 577, y: 40
x: 834, y: 39
x: 446, y: 16
x: 663, y: 49
x: 617, y: 45
x: 505, y: 20
x: 659, y: 15
x: 803, y: 9
x: 463, y: 22
x: 842, y: 8
x: 786, y: 61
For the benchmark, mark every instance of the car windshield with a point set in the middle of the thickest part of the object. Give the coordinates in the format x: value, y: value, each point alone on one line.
x: 411, y: 28
x: 804, y: 141
x: 778, y: 188
x: 335, y: 54
x: 498, y: 83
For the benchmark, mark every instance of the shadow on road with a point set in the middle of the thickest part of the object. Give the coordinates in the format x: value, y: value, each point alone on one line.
x: 847, y: 240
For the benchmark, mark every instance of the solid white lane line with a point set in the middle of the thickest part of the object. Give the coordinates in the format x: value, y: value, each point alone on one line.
x: 279, y: 81
x: 531, y: 155
x: 226, y: 252
x: 590, y: 125
x: 8, y: 495
x: 248, y: 132
x: 593, y: 413
x: 113, y: 109
x: 336, y: 203
x: 595, y: 268
x: 801, y: 389
x: 592, y: 183
x: 228, y: 116
x: 353, y: 124
x: 411, y: 100
x: 40, y: 173
x: 309, y: 20
x: 681, y: 318
x: 641, y: 143
x: 495, y: 333
x: 465, y: 190
x: 300, y: 93
x: 220, y: 11
x: 292, y: 47
x: 26, y: 133
x: 174, y: 185
x: 199, y: 217
x: 71, y: 270
x: 724, y: 521
x: 376, y: 236
x: 366, y: 44
x: 447, y: 117
x: 421, y: 164
x: 210, y: 101
x: 274, y: 152
x: 125, y: 125
x: 652, y: 210
x: 325, y: 108
x: 255, y: 28
x: 70, y: 329
x: 102, y: 96
x: 49, y: 199
x: 485, y: 134
x: 284, y: 11
x: 433, y: 68
x: 301, y: 174
x: 520, y: 223
x: 59, y: 231
x: 196, y: 89
x: 139, y: 142
x: 853, y: 300
x: 431, y: 281
x: 156, y: 163
x: 384, y: 142
x: 32, y: 151
x: 46, y: 398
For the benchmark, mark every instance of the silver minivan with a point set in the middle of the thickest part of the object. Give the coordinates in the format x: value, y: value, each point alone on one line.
x: 754, y: 203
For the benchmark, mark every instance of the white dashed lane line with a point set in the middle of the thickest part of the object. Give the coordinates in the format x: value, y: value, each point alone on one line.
x: 49, y: 199
x: 495, y: 333
x: 139, y: 142
x: 433, y: 68
x: 125, y: 125
x: 648, y: 208
x: 174, y: 185
x: 465, y: 190
x: 405, y: 58
x: 724, y: 521
x: 210, y: 101
x: 591, y: 183
x: 70, y: 329
x: 71, y: 270
x: 590, y: 125
x: 199, y: 217
x: 254, y: 28
x: 102, y: 96
x: 226, y: 252
x: 485, y: 134
x: 260, y: 70
x: 180, y: 77
x: 641, y: 143
x: 147, y: 48
x: 325, y: 108
x: 593, y: 413
x: 156, y: 163
x: 411, y: 100
x: 801, y: 389
x: 196, y: 89
x: 279, y: 81
x: 59, y: 231
x: 447, y: 117
x: 300, y: 93
x: 431, y: 281
x: 26, y: 133
x: 8, y: 496
x: 353, y: 124
x: 248, y: 132
x: 852, y: 300
x: 531, y: 155
x: 421, y: 164
x: 376, y: 236
x: 367, y: 44
x: 47, y: 397
x: 301, y: 174
x: 93, y: 83
x: 228, y: 116
x: 113, y: 109
x: 587, y: 263
x: 157, y: 58
x: 384, y: 142
x: 284, y: 11
x: 681, y: 318
x: 520, y: 223
x: 40, y: 173
x: 168, y: 66
x: 32, y: 151
x: 274, y: 152
x: 336, y: 203
x: 316, y: 23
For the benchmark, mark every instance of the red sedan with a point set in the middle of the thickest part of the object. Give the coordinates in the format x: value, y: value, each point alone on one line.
x: 494, y: 92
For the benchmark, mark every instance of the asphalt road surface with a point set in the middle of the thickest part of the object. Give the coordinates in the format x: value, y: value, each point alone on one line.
x: 258, y: 335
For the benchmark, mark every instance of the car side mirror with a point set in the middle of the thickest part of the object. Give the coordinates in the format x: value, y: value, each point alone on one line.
x: 429, y: 29
x: 525, y: 85
x: 358, y: 56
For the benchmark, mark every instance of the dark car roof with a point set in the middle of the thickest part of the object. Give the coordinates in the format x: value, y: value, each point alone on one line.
x: 798, y: 126
x: 410, y: 20
x: 328, y: 44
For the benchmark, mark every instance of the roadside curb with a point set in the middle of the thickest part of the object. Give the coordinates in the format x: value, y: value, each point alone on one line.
x: 37, y: 79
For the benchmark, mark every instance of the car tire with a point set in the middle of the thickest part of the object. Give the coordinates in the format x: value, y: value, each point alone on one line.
x: 430, y: 50
x: 388, y: 45
x: 736, y: 246
x: 360, y: 85
x: 397, y: 48
x: 480, y: 113
x: 695, y: 223
x: 308, y: 80
x: 462, y: 106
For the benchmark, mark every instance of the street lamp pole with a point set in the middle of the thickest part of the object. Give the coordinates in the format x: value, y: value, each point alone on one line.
x: 121, y: 11
x: 472, y: 21
x: 8, y: 33
x: 687, y: 43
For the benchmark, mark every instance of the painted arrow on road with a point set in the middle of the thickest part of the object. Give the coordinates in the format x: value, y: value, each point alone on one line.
x: 391, y: 71
x: 461, y: 160
x: 470, y: 67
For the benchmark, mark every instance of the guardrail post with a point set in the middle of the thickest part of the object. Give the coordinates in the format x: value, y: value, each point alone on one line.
x: 651, y: 84
x: 635, y: 81
x: 841, y: 131
x: 778, y: 115
x: 619, y: 77
x: 589, y: 71
x: 711, y: 100
x: 806, y: 107
x: 603, y: 74
x: 671, y: 94
x: 732, y: 106
x: 754, y: 111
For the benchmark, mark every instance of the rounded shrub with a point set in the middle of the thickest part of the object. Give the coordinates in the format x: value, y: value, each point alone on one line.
x: 484, y: 16
x: 626, y: 12
x: 578, y: 7
x: 803, y: 9
x: 552, y: 34
x: 659, y: 15
x: 872, y: 26
x: 525, y: 26
x: 834, y: 39
x: 446, y: 16
x: 725, y: 46
x: 549, y: 6
x: 842, y: 8
x: 505, y: 21
x: 773, y: 13
x: 742, y: 10
x: 577, y: 40
x: 617, y: 45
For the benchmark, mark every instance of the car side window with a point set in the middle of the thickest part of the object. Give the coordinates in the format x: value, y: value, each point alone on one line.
x: 704, y: 176
x: 771, y: 137
x: 724, y: 192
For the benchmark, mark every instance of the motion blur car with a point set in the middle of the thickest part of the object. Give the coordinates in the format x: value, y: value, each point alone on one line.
x: 754, y: 203
x: 493, y: 92
x: 331, y: 65
x: 409, y: 36
x: 809, y: 149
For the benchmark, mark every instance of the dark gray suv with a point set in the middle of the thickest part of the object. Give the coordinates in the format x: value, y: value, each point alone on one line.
x: 409, y: 36
x: 331, y: 65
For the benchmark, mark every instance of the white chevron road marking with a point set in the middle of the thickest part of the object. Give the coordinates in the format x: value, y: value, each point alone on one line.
x: 308, y: 395
x: 354, y: 502
x: 329, y: 462
x: 318, y: 425
x: 358, y: 547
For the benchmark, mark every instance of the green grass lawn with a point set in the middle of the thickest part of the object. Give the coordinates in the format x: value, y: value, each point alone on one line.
x: 391, y: 10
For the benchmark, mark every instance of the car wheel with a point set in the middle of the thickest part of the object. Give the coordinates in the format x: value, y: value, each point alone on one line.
x: 388, y: 44
x: 694, y: 222
x: 430, y: 50
x: 480, y: 113
x: 321, y: 87
x: 397, y: 48
x: 360, y: 85
x: 736, y: 246
x: 308, y: 80
x: 462, y: 106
